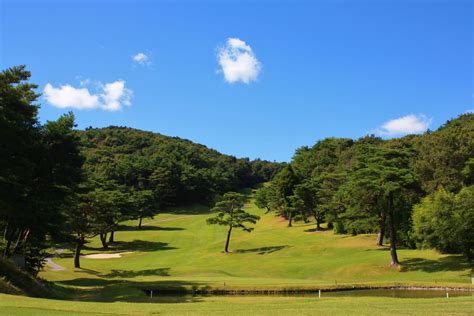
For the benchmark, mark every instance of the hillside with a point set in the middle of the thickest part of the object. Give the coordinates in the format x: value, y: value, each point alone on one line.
x: 177, y: 170
x: 16, y: 281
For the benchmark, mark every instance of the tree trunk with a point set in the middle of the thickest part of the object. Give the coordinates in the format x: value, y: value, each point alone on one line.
x: 393, y: 233
x: 317, y: 218
x: 77, y: 253
x: 381, y: 229
x: 111, y: 238
x: 290, y: 219
x: 140, y: 222
x: 103, y: 240
x: 5, y: 232
x: 6, y: 252
x: 226, y: 249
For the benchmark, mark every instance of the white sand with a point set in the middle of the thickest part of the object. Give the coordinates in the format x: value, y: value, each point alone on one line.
x: 106, y: 255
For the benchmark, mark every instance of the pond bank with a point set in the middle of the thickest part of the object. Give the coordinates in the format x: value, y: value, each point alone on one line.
x: 297, y: 291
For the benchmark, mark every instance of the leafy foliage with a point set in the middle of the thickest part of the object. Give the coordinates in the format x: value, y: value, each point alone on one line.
x: 444, y: 220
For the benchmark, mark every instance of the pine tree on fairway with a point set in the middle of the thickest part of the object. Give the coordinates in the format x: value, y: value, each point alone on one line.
x: 230, y: 213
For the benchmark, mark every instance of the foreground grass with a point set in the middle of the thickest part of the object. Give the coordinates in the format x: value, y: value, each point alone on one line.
x: 267, y: 305
x: 179, y: 250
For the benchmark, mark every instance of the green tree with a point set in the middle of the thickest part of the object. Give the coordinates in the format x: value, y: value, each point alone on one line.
x: 381, y: 180
x: 285, y: 183
x: 444, y: 220
x: 40, y: 167
x: 306, y: 200
x: 230, y: 213
x: 443, y: 154
x: 263, y: 197
x: 144, y: 204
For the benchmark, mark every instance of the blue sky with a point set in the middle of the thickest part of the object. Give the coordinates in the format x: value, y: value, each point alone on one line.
x: 251, y: 79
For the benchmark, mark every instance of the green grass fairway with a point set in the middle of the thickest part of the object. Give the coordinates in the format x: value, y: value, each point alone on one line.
x: 17, y: 305
x: 179, y: 250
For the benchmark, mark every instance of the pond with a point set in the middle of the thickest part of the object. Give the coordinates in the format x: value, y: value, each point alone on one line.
x: 396, y: 293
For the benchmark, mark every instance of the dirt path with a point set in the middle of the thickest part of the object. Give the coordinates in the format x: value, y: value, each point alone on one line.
x: 54, y: 266
x: 51, y: 264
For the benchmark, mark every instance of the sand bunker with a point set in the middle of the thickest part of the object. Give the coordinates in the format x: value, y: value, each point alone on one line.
x: 106, y: 255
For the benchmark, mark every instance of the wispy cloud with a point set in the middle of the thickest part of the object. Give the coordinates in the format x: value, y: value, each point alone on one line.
x: 110, y: 96
x: 142, y: 59
x: 238, y: 61
x: 409, y: 124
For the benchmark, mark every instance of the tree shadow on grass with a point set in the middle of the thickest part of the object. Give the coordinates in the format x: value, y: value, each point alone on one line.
x: 262, y: 250
x: 194, y: 209
x: 135, y: 245
x: 136, y: 273
x: 449, y: 263
x: 315, y: 230
x: 145, y: 228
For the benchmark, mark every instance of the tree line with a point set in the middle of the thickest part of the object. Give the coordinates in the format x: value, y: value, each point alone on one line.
x: 417, y: 191
x: 58, y: 184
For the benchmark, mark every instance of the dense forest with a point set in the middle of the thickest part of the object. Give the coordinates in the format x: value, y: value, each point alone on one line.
x: 59, y: 184
x: 417, y: 190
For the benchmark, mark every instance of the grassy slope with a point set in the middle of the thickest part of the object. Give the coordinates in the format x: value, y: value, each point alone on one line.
x: 16, y: 305
x: 16, y: 281
x: 180, y: 250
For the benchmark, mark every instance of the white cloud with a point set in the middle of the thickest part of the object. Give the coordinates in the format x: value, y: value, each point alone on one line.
x: 112, y: 97
x: 67, y: 96
x: 409, y: 124
x: 238, y: 62
x: 115, y: 95
x: 142, y: 59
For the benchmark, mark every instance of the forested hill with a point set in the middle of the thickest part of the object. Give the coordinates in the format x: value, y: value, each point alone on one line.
x: 176, y: 170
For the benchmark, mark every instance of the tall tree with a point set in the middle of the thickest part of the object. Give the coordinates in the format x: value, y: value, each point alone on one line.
x: 40, y: 167
x: 382, y: 179
x: 285, y: 183
x: 230, y: 213
x: 263, y: 197
x: 306, y: 200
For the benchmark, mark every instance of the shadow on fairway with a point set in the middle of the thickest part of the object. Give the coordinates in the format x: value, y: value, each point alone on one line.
x: 315, y: 230
x: 195, y: 209
x: 449, y: 263
x: 136, y: 273
x: 262, y: 250
x: 145, y: 228
x: 134, y: 246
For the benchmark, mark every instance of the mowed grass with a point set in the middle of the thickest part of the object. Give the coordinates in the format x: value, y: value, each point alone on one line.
x: 179, y: 250
x: 253, y: 305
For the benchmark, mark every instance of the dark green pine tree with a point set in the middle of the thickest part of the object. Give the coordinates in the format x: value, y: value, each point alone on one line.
x: 382, y: 181
x: 230, y: 213
x: 285, y: 183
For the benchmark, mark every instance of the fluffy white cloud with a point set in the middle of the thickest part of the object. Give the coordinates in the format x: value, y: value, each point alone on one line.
x: 115, y: 95
x: 141, y: 58
x: 238, y: 62
x: 409, y: 124
x: 111, y: 97
x: 67, y: 96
